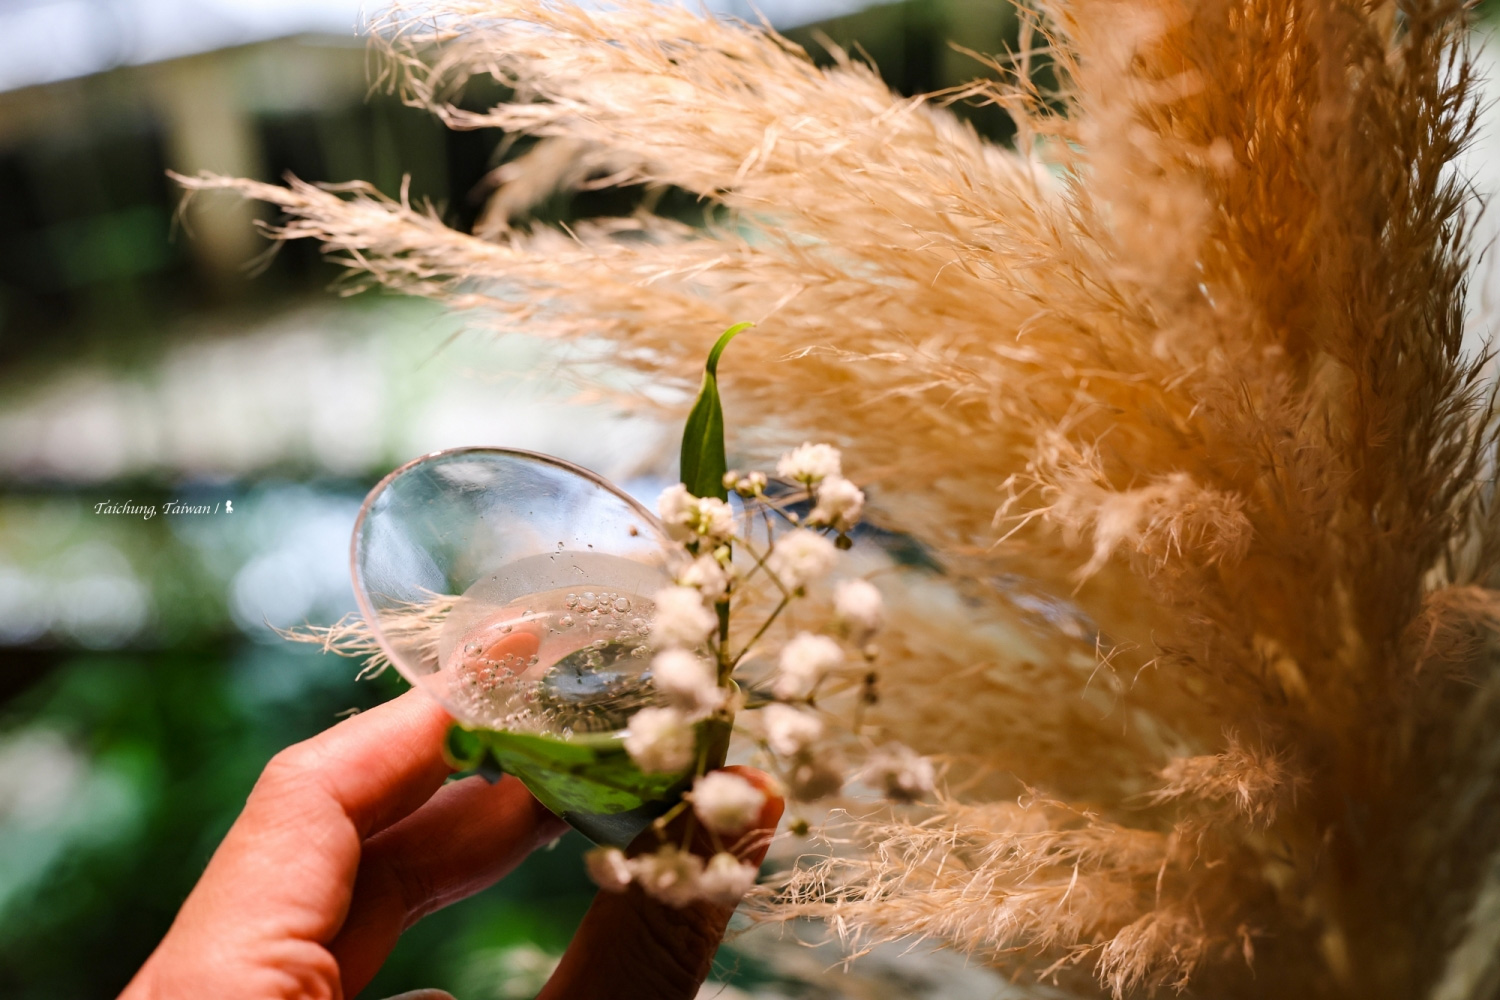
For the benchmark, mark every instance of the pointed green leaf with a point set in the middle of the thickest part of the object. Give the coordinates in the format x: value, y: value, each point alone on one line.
x: 703, y: 460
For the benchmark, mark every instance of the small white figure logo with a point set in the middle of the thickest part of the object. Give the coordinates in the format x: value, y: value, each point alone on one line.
x: 229, y: 506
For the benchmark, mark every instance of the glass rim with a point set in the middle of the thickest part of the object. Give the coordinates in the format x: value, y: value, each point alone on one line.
x: 367, y: 611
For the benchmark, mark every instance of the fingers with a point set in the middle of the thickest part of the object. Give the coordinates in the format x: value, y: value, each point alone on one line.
x: 470, y: 835
x: 632, y: 946
x: 292, y: 854
x: 277, y: 889
x: 376, y: 767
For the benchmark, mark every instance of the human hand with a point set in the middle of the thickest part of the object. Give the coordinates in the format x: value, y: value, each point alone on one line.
x: 352, y: 836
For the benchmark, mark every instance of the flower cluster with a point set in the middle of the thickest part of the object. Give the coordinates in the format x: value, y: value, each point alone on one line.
x: 672, y: 875
x: 694, y: 520
x: 726, y: 803
x: 837, y: 502
x: 803, y: 663
x: 900, y: 773
x: 785, y: 541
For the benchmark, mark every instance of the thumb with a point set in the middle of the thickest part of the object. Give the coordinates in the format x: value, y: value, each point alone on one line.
x: 632, y: 946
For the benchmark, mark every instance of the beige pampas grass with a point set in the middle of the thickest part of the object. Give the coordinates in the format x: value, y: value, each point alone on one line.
x: 1173, y: 391
x: 416, y: 627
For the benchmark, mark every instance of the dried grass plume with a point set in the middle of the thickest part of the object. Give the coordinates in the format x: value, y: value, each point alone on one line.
x: 1172, y: 389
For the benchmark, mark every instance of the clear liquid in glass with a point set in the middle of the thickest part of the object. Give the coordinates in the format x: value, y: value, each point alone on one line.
x: 560, y: 659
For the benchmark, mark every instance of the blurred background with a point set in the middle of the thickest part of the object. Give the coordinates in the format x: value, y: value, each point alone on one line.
x: 149, y: 354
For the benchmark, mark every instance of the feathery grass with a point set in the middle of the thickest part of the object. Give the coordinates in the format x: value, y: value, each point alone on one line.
x: 1174, y: 391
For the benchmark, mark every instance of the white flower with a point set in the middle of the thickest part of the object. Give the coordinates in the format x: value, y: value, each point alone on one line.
x: 803, y: 663
x: 810, y: 464
x: 681, y: 619
x: 752, y: 484
x: 608, y: 868
x: 726, y: 803
x: 669, y: 874
x: 707, y: 576
x: 677, y: 508
x: 858, y: 608
x: 660, y: 739
x: 812, y: 776
x: 725, y: 879
x: 800, y: 557
x: 899, y: 771
x: 688, y: 518
x: 687, y: 679
x: 790, y: 730
x: 839, y: 504
x: 715, y: 519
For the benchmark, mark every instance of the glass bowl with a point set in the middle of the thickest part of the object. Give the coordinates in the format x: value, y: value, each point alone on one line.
x: 514, y: 588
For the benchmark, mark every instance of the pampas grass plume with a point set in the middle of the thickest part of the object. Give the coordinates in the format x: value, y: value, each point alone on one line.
x: 1172, y: 390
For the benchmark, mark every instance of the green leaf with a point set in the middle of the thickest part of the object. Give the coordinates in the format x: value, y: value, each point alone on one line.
x: 589, y: 780
x: 703, y: 461
x: 463, y: 748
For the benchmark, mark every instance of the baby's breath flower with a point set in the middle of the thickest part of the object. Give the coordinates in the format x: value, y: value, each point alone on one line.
x: 752, y: 484
x: 839, y: 504
x: 687, y: 679
x: 660, y: 739
x: 725, y: 879
x: 725, y: 802
x: 900, y: 772
x: 858, y: 609
x: 707, y: 576
x: 609, y: 868
x: 688, y: 518
x: 800, y: 557
x: 681, y: 619
x: 790, y: 731
x: 811, y: 775
x: 669, y: 874
x: 715, y: 519
x: 803, y: 663
x: 810, y: 464
x: 677, y: 508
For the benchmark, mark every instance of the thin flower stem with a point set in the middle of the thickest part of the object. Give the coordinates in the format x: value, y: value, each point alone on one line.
x: 721, y: 609
x: 660, y: 823
x: 787, y: 599
x: 721, y: 647
x: 760, y: 564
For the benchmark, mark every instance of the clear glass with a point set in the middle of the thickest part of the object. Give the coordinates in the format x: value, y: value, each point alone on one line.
x: 513, y: 588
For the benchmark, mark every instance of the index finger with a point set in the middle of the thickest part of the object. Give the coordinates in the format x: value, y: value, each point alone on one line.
x: 286, y: 866
x: 376, y: 767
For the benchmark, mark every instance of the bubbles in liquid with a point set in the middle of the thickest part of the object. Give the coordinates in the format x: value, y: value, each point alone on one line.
x: 556, y: 661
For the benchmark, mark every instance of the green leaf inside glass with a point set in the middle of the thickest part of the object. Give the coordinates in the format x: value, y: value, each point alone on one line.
x: 588, y: 780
